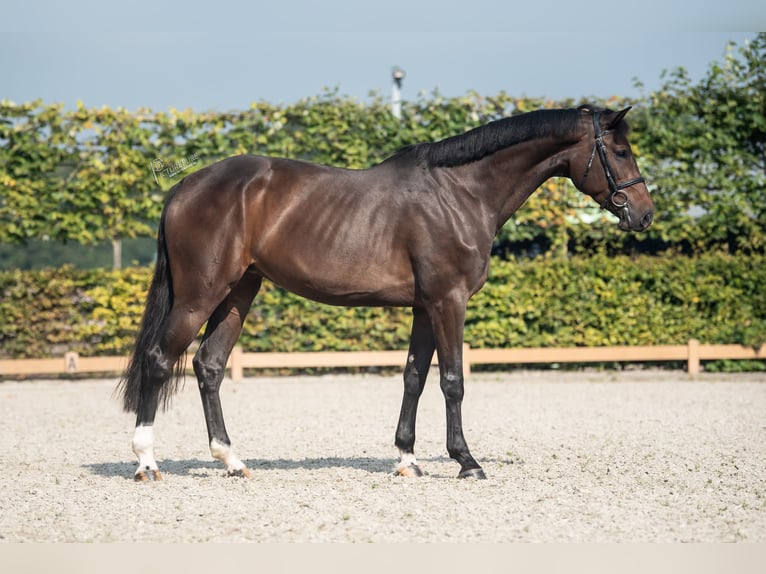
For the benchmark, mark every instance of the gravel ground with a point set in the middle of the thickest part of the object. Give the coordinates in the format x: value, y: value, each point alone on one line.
x: 631, y: 456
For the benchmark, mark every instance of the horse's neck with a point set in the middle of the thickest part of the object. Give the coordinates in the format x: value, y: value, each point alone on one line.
x: 507, y: 178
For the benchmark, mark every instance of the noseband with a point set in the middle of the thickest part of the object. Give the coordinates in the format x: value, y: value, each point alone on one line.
x: 614, y: 187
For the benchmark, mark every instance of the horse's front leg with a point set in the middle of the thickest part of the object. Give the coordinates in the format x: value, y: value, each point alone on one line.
x: 448, y: 319
x: 415, y: 372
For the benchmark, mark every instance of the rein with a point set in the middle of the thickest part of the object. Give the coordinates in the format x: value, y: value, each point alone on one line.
x: 614, y: 187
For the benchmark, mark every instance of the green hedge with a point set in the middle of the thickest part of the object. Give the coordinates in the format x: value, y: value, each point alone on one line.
x: 600, y: 300
x: 89, y: 175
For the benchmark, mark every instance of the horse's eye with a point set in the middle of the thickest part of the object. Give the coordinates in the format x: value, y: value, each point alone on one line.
x: 623, y: 153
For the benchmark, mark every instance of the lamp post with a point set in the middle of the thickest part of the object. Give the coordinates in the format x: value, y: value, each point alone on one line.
x: 396, y: 92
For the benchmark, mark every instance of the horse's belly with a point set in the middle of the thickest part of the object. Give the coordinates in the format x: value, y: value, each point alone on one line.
x: 335, y: 280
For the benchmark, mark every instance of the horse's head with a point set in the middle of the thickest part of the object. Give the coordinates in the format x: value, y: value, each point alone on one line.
x: 604, y: 168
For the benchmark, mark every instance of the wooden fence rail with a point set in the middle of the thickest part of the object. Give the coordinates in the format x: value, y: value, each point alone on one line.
x: 691, y: 353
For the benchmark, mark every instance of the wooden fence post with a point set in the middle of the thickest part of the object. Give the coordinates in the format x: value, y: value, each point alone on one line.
x: 693, y: 360
x: 237, y: 372
x: 70, y: 362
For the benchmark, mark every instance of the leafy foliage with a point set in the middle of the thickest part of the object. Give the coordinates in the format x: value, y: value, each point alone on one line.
x: 716, y: 298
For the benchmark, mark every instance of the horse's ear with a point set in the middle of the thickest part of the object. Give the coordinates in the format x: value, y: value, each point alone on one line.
x: 618, y: 118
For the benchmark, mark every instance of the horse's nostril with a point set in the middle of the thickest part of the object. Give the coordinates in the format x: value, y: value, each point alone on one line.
x: 646, y: 220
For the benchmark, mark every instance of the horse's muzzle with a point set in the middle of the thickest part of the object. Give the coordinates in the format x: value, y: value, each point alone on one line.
x: 628, y: 222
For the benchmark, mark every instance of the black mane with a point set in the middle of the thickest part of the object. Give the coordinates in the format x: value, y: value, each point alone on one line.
x: 485, y: 140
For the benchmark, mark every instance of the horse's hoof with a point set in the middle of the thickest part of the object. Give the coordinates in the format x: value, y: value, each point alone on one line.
x: 411, y: 471
x: 243, y: 472
x: 147, y: 476
x: 476, y: 473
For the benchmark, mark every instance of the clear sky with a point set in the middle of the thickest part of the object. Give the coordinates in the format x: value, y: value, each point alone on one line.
x: 225, y: 54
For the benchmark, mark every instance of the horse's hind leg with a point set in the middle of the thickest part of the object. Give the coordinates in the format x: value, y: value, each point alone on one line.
x: 178, y: 332
x: 223, y: 329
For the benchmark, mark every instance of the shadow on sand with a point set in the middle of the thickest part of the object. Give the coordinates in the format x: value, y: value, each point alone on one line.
x: 196, y: 466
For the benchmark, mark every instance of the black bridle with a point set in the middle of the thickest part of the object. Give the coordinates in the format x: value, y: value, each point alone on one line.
x: 614, y: 187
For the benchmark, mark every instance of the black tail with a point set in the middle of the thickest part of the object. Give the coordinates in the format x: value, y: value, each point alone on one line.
x: 159, y: 302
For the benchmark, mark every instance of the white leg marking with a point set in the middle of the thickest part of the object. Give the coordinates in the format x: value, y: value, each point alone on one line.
x: 143, y: 446
x: 406, y: 459
x: 226, y: 455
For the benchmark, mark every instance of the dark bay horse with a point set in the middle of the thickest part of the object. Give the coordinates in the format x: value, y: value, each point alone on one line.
x: 415, y: 230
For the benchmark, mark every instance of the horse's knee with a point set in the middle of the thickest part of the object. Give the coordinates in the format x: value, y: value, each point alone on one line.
x: 452, y: 386
x: 412, y: 383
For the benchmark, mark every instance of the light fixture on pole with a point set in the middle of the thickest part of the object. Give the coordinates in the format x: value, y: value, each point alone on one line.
x: 396, y: 91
